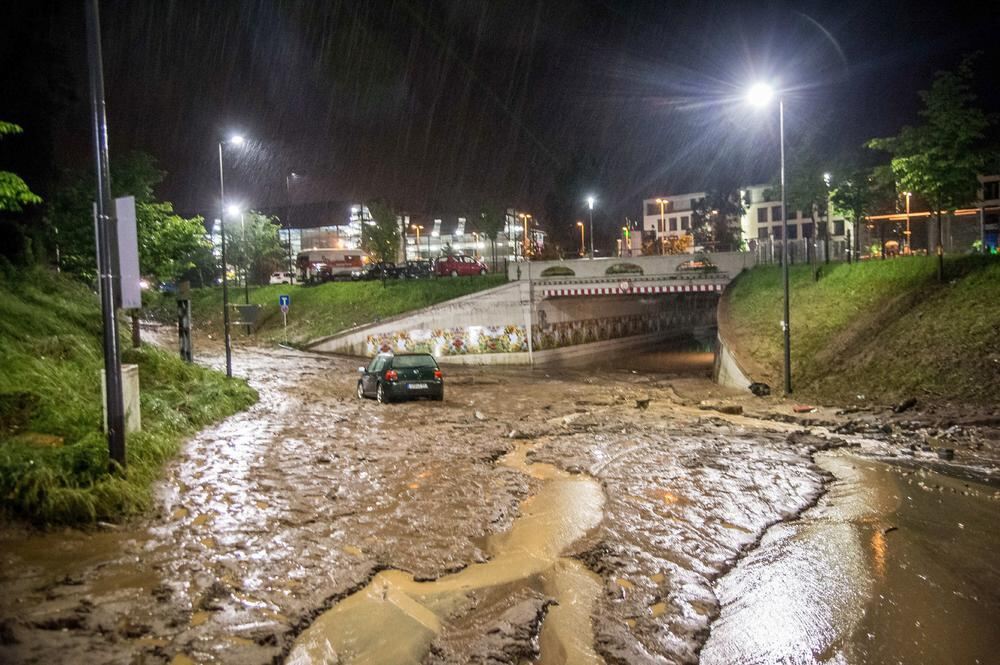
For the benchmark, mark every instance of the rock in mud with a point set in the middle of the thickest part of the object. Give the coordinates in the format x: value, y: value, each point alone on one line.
x: 760, y: 389
x: 722, y: 407
x: 905, y: 405
x: 510, y: 638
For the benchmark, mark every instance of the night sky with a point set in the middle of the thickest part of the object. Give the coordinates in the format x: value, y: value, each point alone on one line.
x: 439, y: 106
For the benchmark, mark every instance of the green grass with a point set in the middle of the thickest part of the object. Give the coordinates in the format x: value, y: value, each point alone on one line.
x: 50, y: 363
x: 883, y: 329
x: 319, y: 311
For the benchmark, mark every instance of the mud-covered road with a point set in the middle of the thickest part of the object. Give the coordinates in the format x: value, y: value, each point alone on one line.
x: 554, y: 516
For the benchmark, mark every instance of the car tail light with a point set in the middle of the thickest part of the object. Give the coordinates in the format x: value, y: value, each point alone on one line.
x: 437, y: 374
x: 391, y: 375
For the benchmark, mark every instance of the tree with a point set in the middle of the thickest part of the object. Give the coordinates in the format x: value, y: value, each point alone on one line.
x: 941, y: 157
x: 491, y: 221
x: 380, y: 238
x: 858, y: 192
x: 14, y: 192
x: 253, y: 246
x: 168, y: 243
x: 715, y: 220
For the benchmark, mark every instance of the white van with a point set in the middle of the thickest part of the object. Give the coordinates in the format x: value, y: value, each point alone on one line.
x: 282, y: 278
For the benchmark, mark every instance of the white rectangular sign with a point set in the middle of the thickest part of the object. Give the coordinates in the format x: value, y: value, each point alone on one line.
x: 128, y: 253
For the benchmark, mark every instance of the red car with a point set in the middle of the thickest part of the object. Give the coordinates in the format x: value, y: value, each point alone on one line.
x: 459, y: 265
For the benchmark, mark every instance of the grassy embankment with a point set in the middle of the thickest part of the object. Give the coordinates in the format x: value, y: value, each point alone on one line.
x: 318, y: 311
x: 887, y: 330
x: 53, y: 453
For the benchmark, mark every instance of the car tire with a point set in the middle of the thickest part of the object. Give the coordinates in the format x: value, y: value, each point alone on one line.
x: 454, y: 273
x: 380, y: 395
x: 361, y: 391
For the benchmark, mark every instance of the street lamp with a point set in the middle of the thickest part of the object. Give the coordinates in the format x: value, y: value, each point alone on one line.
x: 590, y: 204
x: 235, y: 140
x: 417, y: 228
x: 233, y: 211
x: 525, y: 244
x: 760, y: 94
x: 583, y: 248
x: 908, y: 195
x: 663, y: 222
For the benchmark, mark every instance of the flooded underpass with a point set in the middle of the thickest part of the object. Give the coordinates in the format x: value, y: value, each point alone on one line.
x: 603, y: 514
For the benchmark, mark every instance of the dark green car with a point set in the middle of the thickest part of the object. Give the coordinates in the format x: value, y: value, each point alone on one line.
x: 389, y: 378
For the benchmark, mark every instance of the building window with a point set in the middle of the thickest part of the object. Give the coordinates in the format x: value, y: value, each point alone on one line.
x: 807, y: 231
x: 685, y: 222
x: 673, y: 223
x: 652, y: 209
x: 793, y: 214
x: 762, y: 232
x: 991, y: 190
x: 793, y: 231
x: 776, y: 233
x: 775, y: 213
x: 761, y: 215
x: 838, y: 227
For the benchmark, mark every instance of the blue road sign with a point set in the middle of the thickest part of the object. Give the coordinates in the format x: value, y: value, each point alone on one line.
x: 284, y: 301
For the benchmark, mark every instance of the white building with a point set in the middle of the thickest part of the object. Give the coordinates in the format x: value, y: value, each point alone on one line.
x: 670, y: 215
x: 763, y: 218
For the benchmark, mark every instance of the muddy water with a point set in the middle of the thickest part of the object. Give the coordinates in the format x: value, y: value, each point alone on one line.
x: 394, y: 619
x: 891, y: 566
x: 532, y: 517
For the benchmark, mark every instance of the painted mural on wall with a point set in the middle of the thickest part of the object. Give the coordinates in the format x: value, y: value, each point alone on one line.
x: 451, y: 341
x: 512, y: 339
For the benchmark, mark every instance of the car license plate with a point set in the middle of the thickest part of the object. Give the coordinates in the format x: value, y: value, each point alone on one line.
x: 418, y: 386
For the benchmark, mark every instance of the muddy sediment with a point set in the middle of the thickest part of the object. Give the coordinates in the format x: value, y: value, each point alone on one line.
x: 549, y: 517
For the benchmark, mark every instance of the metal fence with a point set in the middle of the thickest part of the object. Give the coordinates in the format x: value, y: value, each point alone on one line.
x: 801, y: 250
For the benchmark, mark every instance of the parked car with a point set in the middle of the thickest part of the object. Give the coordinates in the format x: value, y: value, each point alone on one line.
x: 378, y: 270
x: 459, y: 265
x: 282, y: 278
x: 416, y: 270
x: 389, y: 377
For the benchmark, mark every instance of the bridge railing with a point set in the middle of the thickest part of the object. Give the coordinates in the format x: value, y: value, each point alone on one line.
x: 700, y: 265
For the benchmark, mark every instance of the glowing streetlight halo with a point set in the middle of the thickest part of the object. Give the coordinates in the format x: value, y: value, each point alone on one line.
x: 236, y: 139
x: 234, y: 209
x: 760, y: 94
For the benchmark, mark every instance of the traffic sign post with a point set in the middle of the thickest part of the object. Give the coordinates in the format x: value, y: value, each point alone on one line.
x: 284, y: 301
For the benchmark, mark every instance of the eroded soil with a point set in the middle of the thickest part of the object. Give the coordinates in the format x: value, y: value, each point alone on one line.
x: 281, y: 519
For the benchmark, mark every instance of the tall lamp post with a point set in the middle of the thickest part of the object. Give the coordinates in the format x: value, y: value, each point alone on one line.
x: 663, y: 224
x: 525, y: 243
x: 760, y: 94
x: 583, y: 246
x: 236, y: 140
x: 590, y: 205
x: 417, y: 227
x: 288, y: 197
x: 908, y: 195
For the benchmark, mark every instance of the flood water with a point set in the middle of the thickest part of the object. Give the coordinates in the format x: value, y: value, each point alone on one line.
x: 540, y: 517
x: 892, y: 566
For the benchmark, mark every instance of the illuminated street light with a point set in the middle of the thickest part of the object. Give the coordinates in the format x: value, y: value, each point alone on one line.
x: 235, y: 140
x: 418, y: 228
x: 908, y: 195
x: 233, y: 210
x: 590, y: 204
x: 760, y: 94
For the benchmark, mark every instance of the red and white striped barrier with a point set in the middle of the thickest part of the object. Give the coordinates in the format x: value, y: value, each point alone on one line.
x: 617, y: 290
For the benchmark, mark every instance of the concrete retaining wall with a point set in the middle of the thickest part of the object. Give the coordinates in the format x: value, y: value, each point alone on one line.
x: 727, y: 370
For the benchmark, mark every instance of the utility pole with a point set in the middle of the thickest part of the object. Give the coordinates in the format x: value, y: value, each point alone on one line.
x: 106, y: 242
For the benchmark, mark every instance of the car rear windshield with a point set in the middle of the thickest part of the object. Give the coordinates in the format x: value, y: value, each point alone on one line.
x: 403, y: 362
